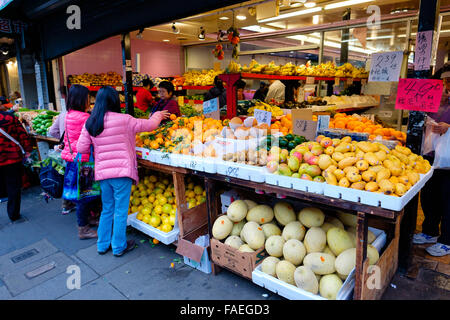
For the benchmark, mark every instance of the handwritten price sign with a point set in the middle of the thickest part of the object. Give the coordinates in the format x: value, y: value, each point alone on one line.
x: 211, y: 108
x: 422, y: 57
x: 386, y: 66
x: 262, y: 116
x: 419, y: 95
x: 306, y: 128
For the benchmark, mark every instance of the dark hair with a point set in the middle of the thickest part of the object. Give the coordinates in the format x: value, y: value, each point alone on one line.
x: 77, y: 98
x: 218, y: 83
x: 147, y: 82
x: 240, y: 84
x: 167, y: 85
x: 107, y: 100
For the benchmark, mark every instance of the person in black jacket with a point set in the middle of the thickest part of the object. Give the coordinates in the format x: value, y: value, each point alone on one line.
x: 218, y: 91
x: 261, y: 93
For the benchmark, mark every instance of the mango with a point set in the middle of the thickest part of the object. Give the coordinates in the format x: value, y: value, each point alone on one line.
x: 371, y: 186
x: 403, y: 179
x: 353, y: 177
x: 347, y: 162
x: 344, y: 182
x: 343, y: 147
x: 330, y: 178
x: 362, y: 165
x: 351, y: 169
x: 381, y: 155
x: 369, y: 176
x: 383, y: 174
x: 371, y: 159
x: 386, y: 187
x: 338, y: 156
x: 359, y: 154
x: 358, y: 185
x: 400, y: 189
x: 339, y: 173
x: 364, y: 146
x: 394, y: 179
x: 376, y: 169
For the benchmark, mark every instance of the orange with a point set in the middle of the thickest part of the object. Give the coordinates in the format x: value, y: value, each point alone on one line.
x: 173, y: 117
x: 147, y: 142
x: 160, y: 140
x: 154, y: 145
x: 340, y: 124
x: 386, y: 132
x: 372, y: 137
x: 368, y: 130
x: 378, y: 132
x: 289, y: 116
x: 358, y: 129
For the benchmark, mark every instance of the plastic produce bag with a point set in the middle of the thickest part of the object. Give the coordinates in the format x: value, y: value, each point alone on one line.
x: 442, y: 153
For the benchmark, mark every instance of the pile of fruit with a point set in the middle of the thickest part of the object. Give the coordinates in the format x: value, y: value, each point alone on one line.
x: 189, y: 110
x: 289, y: 141
x: 200, y: 78
x: 328, y: 69
x: 43, y: 121
x: 138, y: 78
x: 276, y: 111
x: 103, y: 79
x: 155, y: 202
x: 310, y: 250
x: 357, y: 123
x: 284, y: 125
x: 363, y: 165
x: 195, y: 193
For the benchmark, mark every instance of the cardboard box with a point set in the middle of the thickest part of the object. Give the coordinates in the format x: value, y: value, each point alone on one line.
x: 194, y: 255
x: 242, y: 263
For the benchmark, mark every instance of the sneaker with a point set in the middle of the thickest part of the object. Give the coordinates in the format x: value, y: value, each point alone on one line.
x: 67, y: 210
x: 422, y: 238
x: 130, y: 246
x: 438, y: 250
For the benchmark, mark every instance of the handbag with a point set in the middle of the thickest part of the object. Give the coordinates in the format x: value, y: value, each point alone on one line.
x: 442, y: 152
x: 51, y: 179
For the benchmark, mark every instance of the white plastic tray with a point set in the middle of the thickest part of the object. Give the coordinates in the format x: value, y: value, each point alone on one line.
x: 377, y: 199
x: 240, y: 171
x: 292, y: 292
x: 166, y: 238
x: 160, y: 157
x: 294, y: 183
x: 145, y: 153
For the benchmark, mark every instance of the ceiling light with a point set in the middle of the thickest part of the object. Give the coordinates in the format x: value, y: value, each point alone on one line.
x: 166, y: 40
x: 241, y: 17
x: 201, y: 35
x: 292, y: 14
x: 316, y: 19
x: 310, y: 4
x: 345, y: 4
x: 257, y: 28
x: 175, y: 29
x: 224, y: 18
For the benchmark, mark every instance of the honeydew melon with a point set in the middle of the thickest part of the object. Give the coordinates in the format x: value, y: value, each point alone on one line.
x: 315, y: 240
x: 253, y: 235
x: 293, y: 230
x: 284, y: 213
x: 338, y: 240
x: 329, y: 286
x: 237, y: 210
x: 222, y: 227
x: 260, y: 214
x: 274, y: 246
x: 306, y: 279
x: 269, y: 265
x: 285, y: 271
x: 294, y: 251
x: 311, y: 217
x: 271, y: 229
x: 234, y: 241
x: 320, y: 263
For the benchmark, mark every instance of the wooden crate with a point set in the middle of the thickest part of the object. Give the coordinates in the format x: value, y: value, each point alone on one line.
x: 242, y: 263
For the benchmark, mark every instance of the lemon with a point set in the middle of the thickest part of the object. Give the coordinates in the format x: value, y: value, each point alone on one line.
x: 146, y: 219
x: 146, y: 211
x: 191, y: 204
x: 198, y: 190
x: 198, y: 197
x: 160, y: 185
x: 190, y: 186
x: 134, y: 209
x: 151, y: 199
x: 165, y: 181
x: 166, y: 227
x: 156, y: 202
x: 158, y: 191
x: 144, y: 201
x: 158, y: 209
x: 133, y: 187
x: 167, y: 194
x: 170, y: 200
x: 172, y: 220
x: 167, y: 208
x: 191, y: 194
x: 150, y: 185
x: 136, y: 201
x: 162, y: 200
x: 140, y: 207
x: 155, y: 221
x: 204, y: 193
x: 173, y: 211
x: 165, y: 220
x: 174, y: 206
x: 143, y: 193
x: 131, y: 198
x: 139, y: 216
x: 153, y: 179
x: 203, y: 199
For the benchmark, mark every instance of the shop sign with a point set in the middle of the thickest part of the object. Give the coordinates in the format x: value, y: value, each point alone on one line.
x: 386, y: 66
x: 419, y: 94
x: 422, y: 56
x: 262, y: 116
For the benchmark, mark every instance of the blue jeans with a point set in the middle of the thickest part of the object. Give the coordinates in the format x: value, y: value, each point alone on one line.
x: 113, y: 219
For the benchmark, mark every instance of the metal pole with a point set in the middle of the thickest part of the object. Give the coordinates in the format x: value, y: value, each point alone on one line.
x: 345, y: 38
x: 128, y: 73
x: 321, y: 49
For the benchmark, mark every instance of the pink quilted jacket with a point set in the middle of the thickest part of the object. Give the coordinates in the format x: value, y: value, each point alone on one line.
x: 115, y: 147
x: 74, y: 123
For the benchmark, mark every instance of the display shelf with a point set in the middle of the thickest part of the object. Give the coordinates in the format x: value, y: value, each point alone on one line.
x: 164, y: 237
x: 118, y: 88
x: 262, y: 76
x: 193, y: 87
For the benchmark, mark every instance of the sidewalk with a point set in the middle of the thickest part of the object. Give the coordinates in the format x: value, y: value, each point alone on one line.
x: 35, y: 254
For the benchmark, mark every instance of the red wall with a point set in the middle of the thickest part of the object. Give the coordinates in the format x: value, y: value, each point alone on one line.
x: 157, y: 59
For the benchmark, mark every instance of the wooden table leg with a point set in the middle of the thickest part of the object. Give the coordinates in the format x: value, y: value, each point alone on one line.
x: 213, y: 213
x: 361, y: 252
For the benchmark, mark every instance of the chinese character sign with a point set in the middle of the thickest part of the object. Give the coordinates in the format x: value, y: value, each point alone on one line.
x: 386, y: 66
x: 422, y: 56
x: 419, y: 95
x: 262, y: 116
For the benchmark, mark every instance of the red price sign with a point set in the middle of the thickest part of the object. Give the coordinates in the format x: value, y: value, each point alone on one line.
x: 419, y: 95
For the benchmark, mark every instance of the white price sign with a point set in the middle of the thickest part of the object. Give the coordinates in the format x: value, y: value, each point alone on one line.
x: 262, y: 116
x: 386, y: 66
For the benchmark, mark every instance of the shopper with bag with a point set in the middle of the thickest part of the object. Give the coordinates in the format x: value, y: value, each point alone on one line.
x: 15, y: 144
x: 113, y: 136
x: 77, y: 106
x: 435, y: 196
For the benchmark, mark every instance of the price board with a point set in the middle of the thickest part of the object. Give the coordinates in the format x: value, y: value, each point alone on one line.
x: 386, y: 66
x: 211, y: 108
x: 419, y: 94
x: 302, y: 123
x: 262, y: 116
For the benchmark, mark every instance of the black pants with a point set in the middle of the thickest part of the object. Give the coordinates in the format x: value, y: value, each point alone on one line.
x: 11, y: 180
x: 435, y: 200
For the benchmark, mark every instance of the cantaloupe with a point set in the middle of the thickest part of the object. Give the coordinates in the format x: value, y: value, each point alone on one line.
x: 334, y: 221
x: 338, y: 240
x: 293, y: 230
x: 260, y: 214
x: 253, y: 235
x: 306, y: 279
x: 269, y: 265
x: 329, y: 286
x: 250, y: 204
x: 237, y: 210
x: 274, y: 246
x: 222, y: 227
x: 271, y: 229
x: 320, y: 263
x: 294, y: 251
x: 315, y: 240
x: 284, y: 213
x: 234, y: 241
x: 347, y: 219
x: 346, y: 261
x: 311, y: 217
x: 237, y: 228
x: 285, y: 271
x: 245, y: 248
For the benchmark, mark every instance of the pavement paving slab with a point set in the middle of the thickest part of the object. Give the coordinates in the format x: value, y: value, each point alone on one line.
x: 4, y: 293
x: 95, y: 290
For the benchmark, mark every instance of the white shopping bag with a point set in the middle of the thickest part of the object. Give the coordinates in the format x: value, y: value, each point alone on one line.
x: 442, y: 152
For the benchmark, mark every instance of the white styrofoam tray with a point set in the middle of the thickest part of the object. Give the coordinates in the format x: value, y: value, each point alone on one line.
x: 240, y: 171
x: 145, y: 153
x: 377, y: 199
x: 164, y: 237
x: 190, y: 162
x: 292, y: 292
x: 160, y: 157
x: 294, y: 183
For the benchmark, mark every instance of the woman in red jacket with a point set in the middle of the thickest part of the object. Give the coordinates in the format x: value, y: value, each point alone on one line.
x: 11, y: 160
x: 168, y: 101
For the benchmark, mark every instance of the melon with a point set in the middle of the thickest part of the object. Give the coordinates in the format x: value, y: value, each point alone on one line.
x: 334, y: 221
x: 345, y: 262
x: 329, y: 286
x: 237, y: 228
x: 311, y: 217
x: 372, y: 254
x: 222, y: 227
x: 306, y: 279
x: 260, y: 214
x: 320, y: 263
x: 315, y: 240
x: 274, y: 246
x: 234, y: 241
x: 338, y: 240
x: 237, y: 210
x: 347, y: 219
x: 327, y: 226
x: 284, y: 213
x: 285, y: 271
x: 328, y: 250
x: 250, y: 204
x: 271, y: 229
x: 294, y: 251
x: 293, y: 230
x: 341, y: 276
x: 245, y: 248
x: 253, y: 235
x: 269, y: 265
x: 352, y: 237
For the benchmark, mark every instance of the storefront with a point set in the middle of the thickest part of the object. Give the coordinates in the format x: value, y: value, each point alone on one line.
x: 330, y: 172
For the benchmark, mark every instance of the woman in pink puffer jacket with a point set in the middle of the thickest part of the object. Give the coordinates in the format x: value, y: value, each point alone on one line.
x: 77, y: 105
x: 113, y: 136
